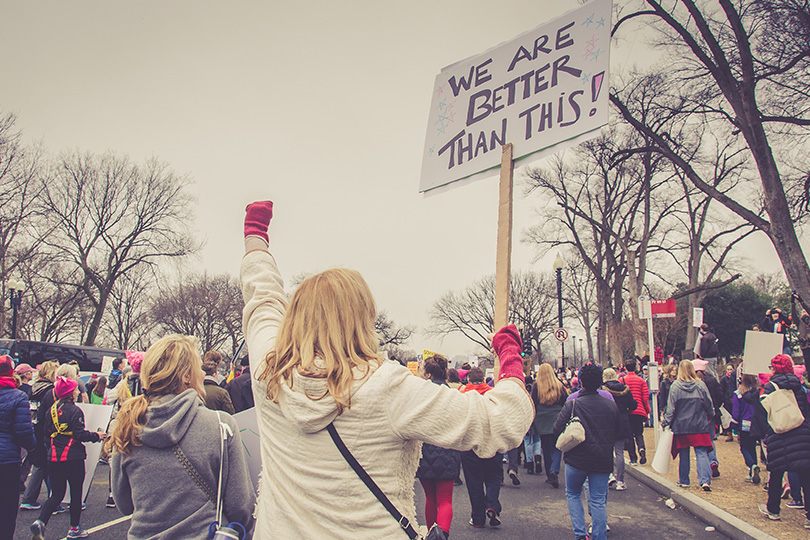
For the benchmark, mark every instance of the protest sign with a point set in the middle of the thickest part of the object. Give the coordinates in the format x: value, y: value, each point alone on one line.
x: 543, y: 91
x: 96, y: 417
x: 248, y: 424
x: 760, y: 348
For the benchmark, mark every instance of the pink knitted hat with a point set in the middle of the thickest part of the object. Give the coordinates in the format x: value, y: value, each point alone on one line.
x: 782, y: 363
x: 700, y: 365
x: 64, y: 387
x: 135, y: 358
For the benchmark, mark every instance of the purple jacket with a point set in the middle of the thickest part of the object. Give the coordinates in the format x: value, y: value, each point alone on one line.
x: 603, y: 393
x: 741, y: 411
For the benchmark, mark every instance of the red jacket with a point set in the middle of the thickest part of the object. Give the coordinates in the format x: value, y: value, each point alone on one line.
x: 480, y: 388
x: 641, y: 393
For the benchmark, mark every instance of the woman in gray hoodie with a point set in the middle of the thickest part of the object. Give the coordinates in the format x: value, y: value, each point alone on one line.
x: 689, y: 413
x: 168, y: 450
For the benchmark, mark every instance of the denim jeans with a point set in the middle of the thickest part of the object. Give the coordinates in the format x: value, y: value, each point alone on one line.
x: 551, y: 455
x: 597, y: 501
x: 704, y: 468
x: 713, y: 451
x: 34, y: 484
x: 531, y: 444
x: 618, y: 459
x: 513, y: 457
x: 483, y: 478
x: 748, y: 448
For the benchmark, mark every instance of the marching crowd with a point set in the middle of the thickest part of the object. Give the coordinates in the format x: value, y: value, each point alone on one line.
x: 344, y: 433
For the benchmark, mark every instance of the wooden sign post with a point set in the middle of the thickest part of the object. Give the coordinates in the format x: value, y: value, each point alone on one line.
x: 503, y: 261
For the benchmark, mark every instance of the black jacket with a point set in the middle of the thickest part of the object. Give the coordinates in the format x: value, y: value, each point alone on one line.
x: 63, y: 446
x: 438, y: 463
x: 789, y: 451
x: 600, y: 418
x: 625, y: 403
x: 42, y: 398
x: 240, y: 390
x: 708, y: 346
x: 728, y: 385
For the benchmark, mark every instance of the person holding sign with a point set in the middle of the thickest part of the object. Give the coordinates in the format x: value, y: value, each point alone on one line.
x: 329, y: 405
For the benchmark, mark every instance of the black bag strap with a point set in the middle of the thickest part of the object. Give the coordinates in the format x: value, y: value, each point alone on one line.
x: 370, y: 484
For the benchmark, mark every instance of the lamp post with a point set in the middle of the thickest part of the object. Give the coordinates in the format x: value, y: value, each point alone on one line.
x: 15, y: 289
x: 558, y: 266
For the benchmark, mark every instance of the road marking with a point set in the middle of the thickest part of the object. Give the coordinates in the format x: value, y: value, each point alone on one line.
x: 103, y: 526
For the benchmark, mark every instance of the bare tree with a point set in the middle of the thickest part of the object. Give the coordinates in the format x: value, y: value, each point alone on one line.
x: 202, y: 306
x: 108, y: 216
x: 470, y: 311
x: 741, y: 69
x: 390, y: 334
x: 20, y: 187
x: 127, y: 323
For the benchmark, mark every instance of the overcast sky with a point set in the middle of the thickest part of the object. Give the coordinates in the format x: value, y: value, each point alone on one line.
x: 319, y: 106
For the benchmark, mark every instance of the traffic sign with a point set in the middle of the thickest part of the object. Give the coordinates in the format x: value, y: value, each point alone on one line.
x: 561, y: 334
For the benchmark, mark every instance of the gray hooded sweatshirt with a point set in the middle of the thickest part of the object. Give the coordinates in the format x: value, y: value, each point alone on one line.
x: 689, y: 409
x: 151, y: 484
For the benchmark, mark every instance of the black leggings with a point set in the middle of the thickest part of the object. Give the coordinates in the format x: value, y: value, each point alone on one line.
x: 61, y: 473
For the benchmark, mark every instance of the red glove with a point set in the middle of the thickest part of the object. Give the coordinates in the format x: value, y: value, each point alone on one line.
x: 508, y: 346
x: 257, y: 219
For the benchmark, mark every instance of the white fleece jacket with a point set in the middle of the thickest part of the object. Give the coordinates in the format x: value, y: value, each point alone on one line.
x: 307, y: 489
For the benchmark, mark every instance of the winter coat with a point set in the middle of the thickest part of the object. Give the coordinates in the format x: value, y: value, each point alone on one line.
x: 689, y: 409
x: 728, y: 385
x: 715, y: 392
x: 438, y: 463
x: 546, y: 415
x: 742, y: 412
x: 789, y: 451
x: 641, y: 393
x: 42, y: 398
x: 16, y: 429
x: 600, y: 418
x: 152, y: 475
x: 392, y: 412
x: 708, y: 346
x: 113, y: 379
x: 240, y: 391
x: 63, y: 439
x: 625, y: 403
x: 663, y: 393
x: 216, y: 397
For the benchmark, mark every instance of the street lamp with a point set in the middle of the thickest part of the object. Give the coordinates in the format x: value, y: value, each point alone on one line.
x: 15, y: 289
x: 558, y: 266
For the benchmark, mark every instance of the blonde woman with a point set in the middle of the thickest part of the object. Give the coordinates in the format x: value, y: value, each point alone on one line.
x: 549, y: 396
x: 689, y: 413
x: 41, y: 400
x: 314, y: 361
x: 167, y: 447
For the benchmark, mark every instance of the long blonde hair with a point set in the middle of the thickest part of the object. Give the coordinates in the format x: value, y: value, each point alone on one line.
x: 330, y: 317
x: 165, y: 366
x: 549, y: 389
x: 47, y: 371
x: 686, y: 371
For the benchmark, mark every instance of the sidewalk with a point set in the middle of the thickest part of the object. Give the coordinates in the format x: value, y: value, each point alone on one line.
x: 732, y: 505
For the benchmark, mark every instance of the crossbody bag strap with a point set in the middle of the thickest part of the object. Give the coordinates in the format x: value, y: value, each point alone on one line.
x: 195, y: 476
x: 370, y: 484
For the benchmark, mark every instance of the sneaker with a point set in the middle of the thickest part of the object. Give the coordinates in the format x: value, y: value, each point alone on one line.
x: 476, y: 526
x: 514, y: 476
x: 554, y: 479
x: 773, y: 517
x: 706, y: 487
x: 642, y: 456
x: 621, y: 486
x: 786, y: 491
x: 611, y: 480
x: 798, y: 505
x: 590, y: 529
x: 685, y: 486
x: 30, y: 506
x: 494, y: 520
x: 755, y: 474
x: 633, y: 462
x: 37, y: 530
x: 78, y: 532
x: 60, y: 510
x: 110, y: 502
x: 715, y: 470
x: 748, y: 479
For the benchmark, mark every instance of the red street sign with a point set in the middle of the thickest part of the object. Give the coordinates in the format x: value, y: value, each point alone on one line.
x: 662, y: 308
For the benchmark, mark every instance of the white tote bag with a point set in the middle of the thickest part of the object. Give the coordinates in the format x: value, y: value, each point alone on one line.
x: 663, y: 452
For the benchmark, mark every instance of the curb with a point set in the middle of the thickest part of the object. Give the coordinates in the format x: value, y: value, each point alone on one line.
x: 711, y: 514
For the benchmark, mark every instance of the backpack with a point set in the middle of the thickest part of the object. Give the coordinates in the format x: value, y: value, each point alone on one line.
x: 783, y: 411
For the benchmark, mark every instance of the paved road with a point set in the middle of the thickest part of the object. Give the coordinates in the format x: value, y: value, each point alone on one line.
x: 532, y: 510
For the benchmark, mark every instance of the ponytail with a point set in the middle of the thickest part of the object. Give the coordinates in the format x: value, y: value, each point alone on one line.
x: 131, y: 418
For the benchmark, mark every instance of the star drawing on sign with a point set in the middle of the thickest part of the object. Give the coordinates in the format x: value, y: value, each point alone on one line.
x: 442, y: 105
x: 432, y: 150
x: 601, y: 22
x: 440, y: 89
x: 440, y: 130
x: 451, y: 117
x: 589, y: 20
x: 592, y: 42
x: 596, y: 54
x: 586, y: 77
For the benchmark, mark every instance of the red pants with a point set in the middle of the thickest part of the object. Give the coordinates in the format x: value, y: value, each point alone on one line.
x: 438, y: 503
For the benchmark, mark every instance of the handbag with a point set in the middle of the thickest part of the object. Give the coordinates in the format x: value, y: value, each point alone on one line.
x: 660, y: 462
x: 574, y: 433
x: 783, y: 410
x: 436, y: 532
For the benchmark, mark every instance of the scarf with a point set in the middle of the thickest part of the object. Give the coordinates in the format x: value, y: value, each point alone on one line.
x: 8, y: 382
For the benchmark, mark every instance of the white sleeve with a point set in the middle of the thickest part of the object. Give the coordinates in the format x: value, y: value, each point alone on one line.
x: 493, y: 422
x: 265, y: 305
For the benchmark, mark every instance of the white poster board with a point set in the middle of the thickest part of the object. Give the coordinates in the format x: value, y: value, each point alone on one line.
x: 96, y: 417
x: 697, y: 317
x: 652, y: 373
x: 760, y: 348
x: 248, y: 424
x: 106, y: 364
x: 543, y: 91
